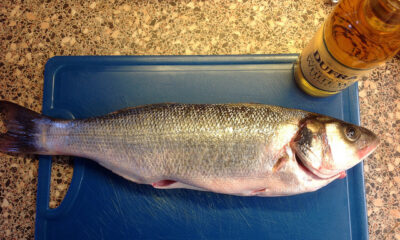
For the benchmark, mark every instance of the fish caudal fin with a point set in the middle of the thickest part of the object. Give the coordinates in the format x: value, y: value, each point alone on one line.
x: 23, y: 127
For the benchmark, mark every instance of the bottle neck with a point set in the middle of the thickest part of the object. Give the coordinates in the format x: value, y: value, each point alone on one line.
x: 383, y: 15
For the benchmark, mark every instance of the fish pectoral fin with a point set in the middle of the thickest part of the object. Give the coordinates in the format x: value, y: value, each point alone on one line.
x: 163, y: 184
x: 342, y: 174
x: 279, y: 164
x: 257, y: 192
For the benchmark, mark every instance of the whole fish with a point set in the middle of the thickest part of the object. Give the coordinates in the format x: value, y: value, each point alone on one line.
x: 239, y: 149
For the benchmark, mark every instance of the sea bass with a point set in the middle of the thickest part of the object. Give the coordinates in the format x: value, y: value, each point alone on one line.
x: 239, y: 149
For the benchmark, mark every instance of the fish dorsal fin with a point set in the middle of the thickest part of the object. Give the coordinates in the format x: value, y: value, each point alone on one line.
x: 141, y: 106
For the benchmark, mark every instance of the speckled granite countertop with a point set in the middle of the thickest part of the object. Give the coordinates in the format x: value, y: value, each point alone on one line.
x: 33, y: 31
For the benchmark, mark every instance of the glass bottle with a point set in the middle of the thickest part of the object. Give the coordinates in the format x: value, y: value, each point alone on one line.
x: 358, y: 36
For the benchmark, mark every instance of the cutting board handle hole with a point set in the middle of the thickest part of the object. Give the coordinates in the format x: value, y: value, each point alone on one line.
x: 2, y: 124
x: 61, y: 175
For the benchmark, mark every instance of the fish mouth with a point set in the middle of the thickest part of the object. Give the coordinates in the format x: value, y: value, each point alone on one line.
x: 312, y: 172
x: 366, y: 151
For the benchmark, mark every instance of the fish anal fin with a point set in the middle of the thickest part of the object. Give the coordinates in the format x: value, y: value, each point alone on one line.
x: 163, y: 183
x: 171, y: 184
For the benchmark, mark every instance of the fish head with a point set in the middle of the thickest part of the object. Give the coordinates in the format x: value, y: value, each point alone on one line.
x: 328, y: 147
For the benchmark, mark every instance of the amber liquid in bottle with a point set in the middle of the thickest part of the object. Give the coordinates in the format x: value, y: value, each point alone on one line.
x: 357, y: 37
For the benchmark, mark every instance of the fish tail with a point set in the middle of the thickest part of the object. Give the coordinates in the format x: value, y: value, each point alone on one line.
x: 23, y: 129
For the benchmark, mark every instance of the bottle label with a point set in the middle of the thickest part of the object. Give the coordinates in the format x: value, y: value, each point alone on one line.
x: 323, y: 71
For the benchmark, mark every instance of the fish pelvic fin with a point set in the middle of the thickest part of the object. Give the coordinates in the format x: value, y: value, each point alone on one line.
x: 23, y: 129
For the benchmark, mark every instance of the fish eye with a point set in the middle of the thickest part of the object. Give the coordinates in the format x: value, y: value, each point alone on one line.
x: 351, y: 133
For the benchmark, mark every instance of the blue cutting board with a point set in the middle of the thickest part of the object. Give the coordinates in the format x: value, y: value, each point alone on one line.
x: 102, y: 205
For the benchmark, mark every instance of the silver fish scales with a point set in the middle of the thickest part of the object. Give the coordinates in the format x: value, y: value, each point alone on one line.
x: 240, y: 149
